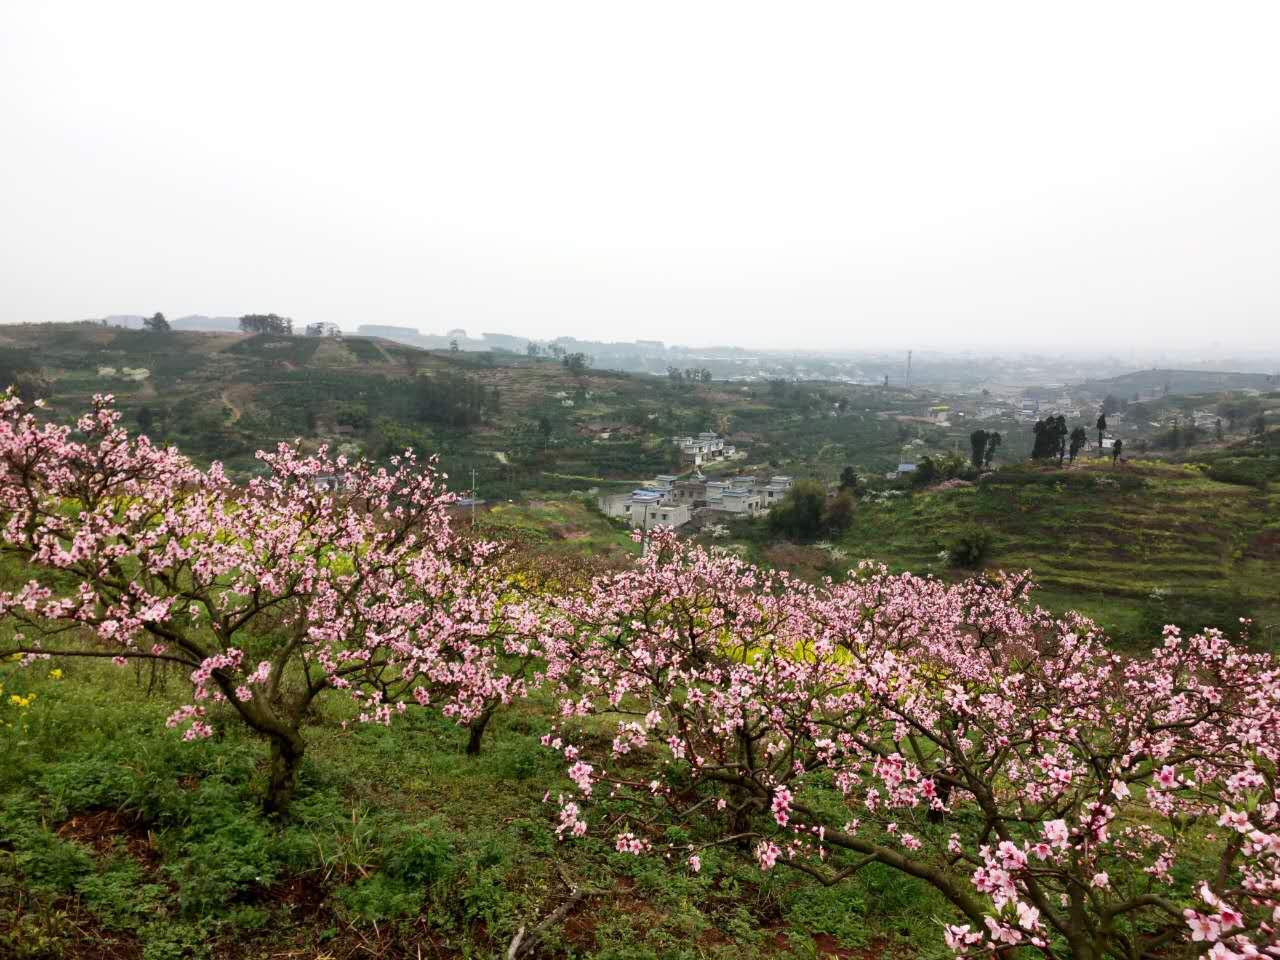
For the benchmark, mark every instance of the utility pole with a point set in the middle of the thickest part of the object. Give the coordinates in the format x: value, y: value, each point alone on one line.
x: 473, y: 496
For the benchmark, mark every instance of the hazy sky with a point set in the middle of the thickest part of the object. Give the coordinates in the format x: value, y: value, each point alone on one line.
x: 784, y: 174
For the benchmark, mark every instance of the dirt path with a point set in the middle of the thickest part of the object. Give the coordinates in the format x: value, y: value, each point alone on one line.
x: 236, y: 397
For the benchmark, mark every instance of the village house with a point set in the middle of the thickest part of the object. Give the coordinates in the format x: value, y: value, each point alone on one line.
x: 706, y: 447
x: 670, y: 501
x: 646, y: 508
x: 776, y: 489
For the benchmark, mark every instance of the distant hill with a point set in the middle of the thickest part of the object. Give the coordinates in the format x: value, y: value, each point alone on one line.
x: 197, y: 321
x: 1151, y: 383
x: 523, y: 424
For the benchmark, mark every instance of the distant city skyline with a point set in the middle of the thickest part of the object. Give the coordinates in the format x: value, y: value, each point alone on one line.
x: 994, y: 176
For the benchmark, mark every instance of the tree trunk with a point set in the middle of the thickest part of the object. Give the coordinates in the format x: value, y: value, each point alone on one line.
x: 286, y: 757
x: 476, y: 732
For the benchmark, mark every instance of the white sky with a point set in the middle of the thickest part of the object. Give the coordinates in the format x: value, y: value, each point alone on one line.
x: 784, y: 174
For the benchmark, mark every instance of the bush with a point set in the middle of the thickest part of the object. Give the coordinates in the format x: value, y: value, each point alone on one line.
x: 799, y: 515
x: 1242, y: 473
x: 970, y: 548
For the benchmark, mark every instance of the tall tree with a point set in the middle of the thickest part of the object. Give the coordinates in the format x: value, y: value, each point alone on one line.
x: 978, y: 441
x: 1116, y: 450
x: 1079, y: 440
x: 994, y: 440
x: 156, y: 323
x: 1050, y: 438
x: 1102, y: 428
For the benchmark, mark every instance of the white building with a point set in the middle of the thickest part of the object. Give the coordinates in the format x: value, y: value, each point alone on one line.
x: 705, y: 448
x: 776, y: 489
x: 646, y: 508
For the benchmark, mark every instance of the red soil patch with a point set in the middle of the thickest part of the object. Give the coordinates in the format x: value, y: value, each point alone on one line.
x: 107, y: 830
x: 1265, y: 546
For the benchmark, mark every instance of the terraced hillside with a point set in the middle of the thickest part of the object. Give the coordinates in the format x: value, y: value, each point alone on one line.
x: 1135, y: 547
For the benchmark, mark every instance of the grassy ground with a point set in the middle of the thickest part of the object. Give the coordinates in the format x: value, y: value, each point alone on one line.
x: 117, y: 840
x: 568, y: 527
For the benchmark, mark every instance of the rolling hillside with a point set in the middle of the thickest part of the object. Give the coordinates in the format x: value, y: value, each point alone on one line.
x: 1181, y: 382
x: 525, y: 425
x: 1135, y: 548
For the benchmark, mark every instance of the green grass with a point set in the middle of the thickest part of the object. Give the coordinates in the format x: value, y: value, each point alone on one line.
x: 119, y: 840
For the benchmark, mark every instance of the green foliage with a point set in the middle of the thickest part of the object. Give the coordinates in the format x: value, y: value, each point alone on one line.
x: 839, y: 911
x: 1247, y: 473
x: 931, y: 470
x: 1051, y: 437
x: 36, y: 857
x: 799, y: 515
x: 363, y: 349
x: 970, y: 547
x: 224, y: 853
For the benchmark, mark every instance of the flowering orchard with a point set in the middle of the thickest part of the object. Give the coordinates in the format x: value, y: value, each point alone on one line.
x: 1062, y: 798
x: 270, y: 593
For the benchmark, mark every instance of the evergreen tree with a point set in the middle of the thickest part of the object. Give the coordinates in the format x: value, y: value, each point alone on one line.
x: 978, y: 446
x: 994, y: 440
x: 1079, y: 440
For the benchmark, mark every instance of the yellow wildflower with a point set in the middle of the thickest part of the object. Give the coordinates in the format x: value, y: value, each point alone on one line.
x: 55, y: 674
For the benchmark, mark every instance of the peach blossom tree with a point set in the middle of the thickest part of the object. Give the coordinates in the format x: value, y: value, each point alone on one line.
x: 319, y: 575
x: 1061, y: 797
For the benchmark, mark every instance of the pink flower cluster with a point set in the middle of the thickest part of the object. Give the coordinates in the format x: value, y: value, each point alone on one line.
x: 361, y: 586
x: 1067, y: 772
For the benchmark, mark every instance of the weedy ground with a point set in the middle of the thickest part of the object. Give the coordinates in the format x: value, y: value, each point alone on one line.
x: 117, y: 840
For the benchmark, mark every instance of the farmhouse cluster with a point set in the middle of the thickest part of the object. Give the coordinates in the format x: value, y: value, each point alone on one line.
x: 671, y: 501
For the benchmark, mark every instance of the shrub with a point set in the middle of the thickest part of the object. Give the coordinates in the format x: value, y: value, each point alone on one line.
x: 1241, y: 472
x: 970, y: 547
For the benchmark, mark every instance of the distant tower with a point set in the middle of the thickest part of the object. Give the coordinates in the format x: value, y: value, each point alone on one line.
x: 908, y: 368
